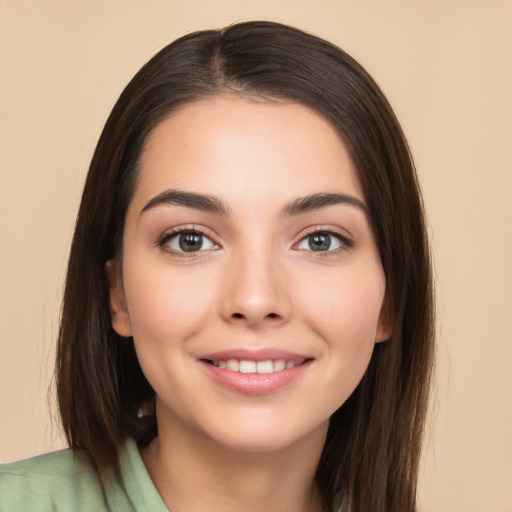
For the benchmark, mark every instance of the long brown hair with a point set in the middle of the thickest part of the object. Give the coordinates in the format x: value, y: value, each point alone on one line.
x: 371, y: 454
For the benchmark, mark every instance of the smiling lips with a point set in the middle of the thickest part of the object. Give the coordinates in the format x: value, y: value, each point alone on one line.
x: 255, y: 372
x: 247, y: 366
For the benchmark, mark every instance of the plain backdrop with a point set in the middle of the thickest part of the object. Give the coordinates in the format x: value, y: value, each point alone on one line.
x: 446, y: 67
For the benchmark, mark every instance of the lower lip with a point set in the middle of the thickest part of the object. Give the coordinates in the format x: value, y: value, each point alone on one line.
x: 255, y: 383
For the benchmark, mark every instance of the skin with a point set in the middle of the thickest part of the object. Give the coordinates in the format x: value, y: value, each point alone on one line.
x: 257, y: 284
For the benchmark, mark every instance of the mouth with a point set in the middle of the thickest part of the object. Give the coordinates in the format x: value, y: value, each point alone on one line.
x: 255, y: 371
x: 260, y: 367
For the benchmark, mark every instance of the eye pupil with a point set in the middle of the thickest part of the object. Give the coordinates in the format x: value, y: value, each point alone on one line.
x: 190, y: 242
x: 319, y: 242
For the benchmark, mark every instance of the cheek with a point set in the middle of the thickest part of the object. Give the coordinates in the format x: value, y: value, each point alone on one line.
x: 166, y: 305
x: 344, y: 310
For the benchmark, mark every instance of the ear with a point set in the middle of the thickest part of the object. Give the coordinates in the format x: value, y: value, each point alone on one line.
x: 118, y: 310
x: 386, y: 323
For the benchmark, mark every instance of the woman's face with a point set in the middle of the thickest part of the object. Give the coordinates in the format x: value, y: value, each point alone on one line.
x: 251, y: 281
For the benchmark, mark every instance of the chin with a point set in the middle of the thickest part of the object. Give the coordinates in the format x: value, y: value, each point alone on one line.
x: 267, y: 438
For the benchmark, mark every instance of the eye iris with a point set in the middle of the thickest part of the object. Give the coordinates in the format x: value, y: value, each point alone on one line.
x: 190, y: 242
x: 319, y: 242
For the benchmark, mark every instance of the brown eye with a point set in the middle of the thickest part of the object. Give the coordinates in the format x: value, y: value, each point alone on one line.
x: 188, y: 241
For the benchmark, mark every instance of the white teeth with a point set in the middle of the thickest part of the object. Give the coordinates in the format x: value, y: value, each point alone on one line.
x: 264, y: 367
x: 246, y: 366
x: 279, y: 365
x: 233, y: 365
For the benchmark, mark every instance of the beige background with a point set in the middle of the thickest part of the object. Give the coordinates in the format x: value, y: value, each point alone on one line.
x: 446, y: 67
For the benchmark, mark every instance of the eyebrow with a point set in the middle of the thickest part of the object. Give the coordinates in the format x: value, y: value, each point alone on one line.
x: 319, y: 201
x: 194, y: 200
x: 212, y: 204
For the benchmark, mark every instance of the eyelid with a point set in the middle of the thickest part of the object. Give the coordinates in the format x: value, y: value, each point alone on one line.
x: 338, y: 233
x: 178, y: 230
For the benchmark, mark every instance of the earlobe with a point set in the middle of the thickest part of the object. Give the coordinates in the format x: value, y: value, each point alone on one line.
x: 384, y: 332
x: 118, y: 310
x: 386, y: 324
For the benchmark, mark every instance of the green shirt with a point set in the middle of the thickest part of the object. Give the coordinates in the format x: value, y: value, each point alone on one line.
x: 67, y: 481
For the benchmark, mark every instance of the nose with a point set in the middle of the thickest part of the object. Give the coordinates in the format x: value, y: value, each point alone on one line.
x: 255, y: 292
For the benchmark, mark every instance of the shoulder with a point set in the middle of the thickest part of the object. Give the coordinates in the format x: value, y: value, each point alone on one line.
x: 62, y: 480
x: 67, y: 480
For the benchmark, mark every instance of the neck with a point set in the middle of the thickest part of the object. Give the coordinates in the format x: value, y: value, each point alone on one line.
x: 194, y: 474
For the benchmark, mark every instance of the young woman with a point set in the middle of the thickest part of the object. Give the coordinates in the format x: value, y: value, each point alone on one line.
x: 247, y: 320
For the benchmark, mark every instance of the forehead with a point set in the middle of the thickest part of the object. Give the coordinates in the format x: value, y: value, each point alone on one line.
x: 248, y: 146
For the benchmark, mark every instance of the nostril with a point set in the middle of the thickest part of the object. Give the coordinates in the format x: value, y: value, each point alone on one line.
x: 238, y: 315
x: 272, y: 315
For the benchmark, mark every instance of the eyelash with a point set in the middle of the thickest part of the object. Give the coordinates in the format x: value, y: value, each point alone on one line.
x: 193, y: 230
x: 346, y: 242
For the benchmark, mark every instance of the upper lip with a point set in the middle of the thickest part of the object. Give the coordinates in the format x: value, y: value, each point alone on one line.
x: 260, y: 354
